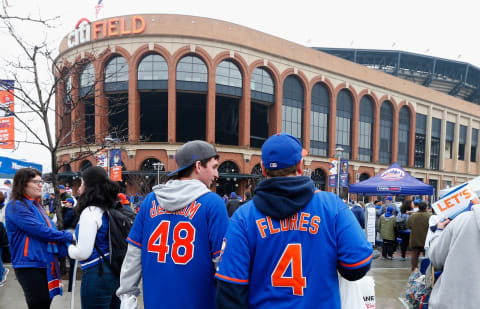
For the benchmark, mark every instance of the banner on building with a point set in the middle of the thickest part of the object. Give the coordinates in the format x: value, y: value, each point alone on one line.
x: 7, y: 123
x: 343, y: 173
x: 116, y: 164
x: 332, y: 172
x: 102, y: 159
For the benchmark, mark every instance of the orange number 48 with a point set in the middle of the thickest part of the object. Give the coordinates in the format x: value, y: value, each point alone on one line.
x: 292, y: 255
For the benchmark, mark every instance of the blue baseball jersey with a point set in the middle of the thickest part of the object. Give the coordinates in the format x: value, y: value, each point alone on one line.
x: 177, y: 251
x: 292, y: 262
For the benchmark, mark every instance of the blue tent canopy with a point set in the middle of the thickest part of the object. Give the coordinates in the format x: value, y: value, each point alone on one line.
x: 393, y: 181
x: 9, y: 166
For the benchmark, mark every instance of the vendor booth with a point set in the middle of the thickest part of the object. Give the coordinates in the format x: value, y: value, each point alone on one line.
x: 393, y: 181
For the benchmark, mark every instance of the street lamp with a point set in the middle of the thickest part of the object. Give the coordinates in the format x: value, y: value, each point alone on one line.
x: 108, y: 141
x: 158, y: 166
x: 338, y: 153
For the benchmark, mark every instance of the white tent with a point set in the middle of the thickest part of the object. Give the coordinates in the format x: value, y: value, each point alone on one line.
x: 475, y: 183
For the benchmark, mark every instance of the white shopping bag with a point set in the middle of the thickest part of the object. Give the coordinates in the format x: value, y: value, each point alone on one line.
x: 358, y: 294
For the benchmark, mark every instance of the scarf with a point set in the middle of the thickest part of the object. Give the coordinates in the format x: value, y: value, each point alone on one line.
x: 54, y: 279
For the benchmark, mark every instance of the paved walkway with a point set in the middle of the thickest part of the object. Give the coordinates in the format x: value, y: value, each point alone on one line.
x: 390, y: 279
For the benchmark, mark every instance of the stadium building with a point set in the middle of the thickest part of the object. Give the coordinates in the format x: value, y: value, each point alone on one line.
x: 152, y: 82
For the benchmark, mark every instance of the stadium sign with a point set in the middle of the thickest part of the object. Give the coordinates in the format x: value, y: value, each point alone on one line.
x: 107, y: 28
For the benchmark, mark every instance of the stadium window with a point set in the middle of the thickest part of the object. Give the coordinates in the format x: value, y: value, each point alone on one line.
x: 262, y: 97
x: 449, y: 140
x: 386, y: 126
x: 365, y: 129
x: 292, y: 107
x: 420, y: 131
x: 435, y: 144
x: 344, y: 117
x: 319, y: 120
x: 403, y: 136
x: 473, y: 153
x: 461, y: 142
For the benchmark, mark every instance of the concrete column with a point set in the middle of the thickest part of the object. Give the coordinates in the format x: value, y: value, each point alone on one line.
x: 411, y: 140
x: 101, y: 107
x: 133, y: 105
x: 376, y: 135
x: 244, y: 114
x: 210, y: 121
x: 275, y: 111
x: 396, y: 115
x: 332, y: 130
x: 355, y: 127
x: 428, y: 138
x: 172, y: 103
x: 307, y: 110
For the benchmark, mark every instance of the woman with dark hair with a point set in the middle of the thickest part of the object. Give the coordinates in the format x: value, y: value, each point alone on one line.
x: 97, y: 194
x: 33, y: 240
x: 403, y: 232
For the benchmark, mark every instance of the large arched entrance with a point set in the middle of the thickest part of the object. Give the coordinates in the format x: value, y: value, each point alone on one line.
x: 319, y: 179
x: 228, y: 178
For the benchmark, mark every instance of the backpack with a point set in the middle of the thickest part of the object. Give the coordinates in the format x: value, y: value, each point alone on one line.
x: 120, y: 223
x: 401, y: 223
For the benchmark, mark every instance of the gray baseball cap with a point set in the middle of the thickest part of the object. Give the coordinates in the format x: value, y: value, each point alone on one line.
x: 191, y: 152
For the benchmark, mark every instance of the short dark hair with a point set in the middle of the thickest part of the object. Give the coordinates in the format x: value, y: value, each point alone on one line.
x: 281, y: 172
x: 20, y: 180
x: 406, y: 206
x: 422, y: 206
x: 188, y: 171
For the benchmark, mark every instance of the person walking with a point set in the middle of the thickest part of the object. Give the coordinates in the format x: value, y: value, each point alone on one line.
x: 233, y: 203
x: 386, y: 226
x: 286, y: 247
x: 35, y: 243
x: 358, y: 211
x: 418, y: 225
x: 177, y: 235
x: 99, y: 283
x: 454, y: 248
x: 403, y: 232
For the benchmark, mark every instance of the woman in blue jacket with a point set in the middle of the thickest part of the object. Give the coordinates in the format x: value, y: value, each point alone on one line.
x: 35, y: 243
x: 99, y: 283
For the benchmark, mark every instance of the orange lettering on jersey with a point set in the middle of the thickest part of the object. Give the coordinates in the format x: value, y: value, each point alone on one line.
x: 261, y: 227
x: 301, y: 226
x: 284, y: 224
x: 192, y: 209
x: 314, y: 224
x: 153, y: 210
x: 270, y: 226
x: 293, y: 222
x: 182, y: 211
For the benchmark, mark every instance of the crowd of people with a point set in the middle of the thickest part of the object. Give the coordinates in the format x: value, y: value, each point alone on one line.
x: 201, y: 250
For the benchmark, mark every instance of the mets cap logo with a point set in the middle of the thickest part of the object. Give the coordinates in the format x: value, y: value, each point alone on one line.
x: 392, y: 174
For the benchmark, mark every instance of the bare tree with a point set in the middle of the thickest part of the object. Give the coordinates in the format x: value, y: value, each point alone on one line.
x: 38, y: 79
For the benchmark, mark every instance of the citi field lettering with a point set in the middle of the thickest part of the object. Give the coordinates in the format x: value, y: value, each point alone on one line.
x: 297, y: 222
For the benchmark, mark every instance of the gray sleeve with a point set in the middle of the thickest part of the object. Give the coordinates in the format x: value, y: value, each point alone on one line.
x: 130, y: 274
x: 439, y: 247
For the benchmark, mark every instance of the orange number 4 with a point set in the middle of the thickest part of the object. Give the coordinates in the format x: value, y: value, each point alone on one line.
x: 292, y: 255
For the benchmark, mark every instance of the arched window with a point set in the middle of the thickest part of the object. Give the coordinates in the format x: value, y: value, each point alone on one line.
x: 262, y: 87
x: 403, y: 136
x: 67, y: 92
x: 257, y: 170
x: 228, y: 167
x: 87, y: 80
x: 150, y: 165
x: 319, y: 120
x: 84, y: 165
x: 116, y: 74
x: 319, y: 179
x: 363, y: 176
x: 344, y: 122
x: 365, y: 129
x: 152, y: 73
x: 386, y: 125
x: 228, y: 79
x: 292, y: 107
x: 192, y: 74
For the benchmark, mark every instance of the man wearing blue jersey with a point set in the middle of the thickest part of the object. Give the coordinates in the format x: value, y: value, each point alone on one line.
x: 177, y: 235
x: 283, y: 249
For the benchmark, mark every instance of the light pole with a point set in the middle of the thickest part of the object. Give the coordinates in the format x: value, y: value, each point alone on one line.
x: 158, y: 166
x: 108, y: 140
x: 338, y: 153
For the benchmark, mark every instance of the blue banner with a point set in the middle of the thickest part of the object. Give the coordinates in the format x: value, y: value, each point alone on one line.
x: 115, y: 157
x: 343, y: 173
x: 9, y: 166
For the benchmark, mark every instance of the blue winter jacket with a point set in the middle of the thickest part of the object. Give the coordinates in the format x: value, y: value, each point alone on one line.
x: 29, y: 234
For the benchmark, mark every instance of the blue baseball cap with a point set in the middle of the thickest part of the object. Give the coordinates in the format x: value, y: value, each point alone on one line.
x: 8, y: 181
x: 70, y: 200
x: 61, y: 187
x: 417, y: 201
x: 282, y: 150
